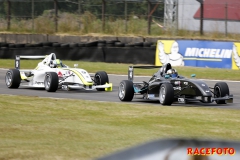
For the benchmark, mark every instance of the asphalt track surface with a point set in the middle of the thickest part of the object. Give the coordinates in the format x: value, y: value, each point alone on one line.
x: 234, y: 87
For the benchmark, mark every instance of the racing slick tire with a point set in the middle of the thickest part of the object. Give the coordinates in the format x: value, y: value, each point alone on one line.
x: 220, y: 90
x: 101, y: 78
x: 125, y: 90
x: 51, y: 81
x: 13, y: 78
x: 166, y: 94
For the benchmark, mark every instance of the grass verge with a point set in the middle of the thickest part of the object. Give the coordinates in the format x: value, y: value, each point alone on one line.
x: 43, y: 128
x: 116, y: 68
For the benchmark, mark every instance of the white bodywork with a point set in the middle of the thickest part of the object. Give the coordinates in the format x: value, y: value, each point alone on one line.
x: 69, y: 78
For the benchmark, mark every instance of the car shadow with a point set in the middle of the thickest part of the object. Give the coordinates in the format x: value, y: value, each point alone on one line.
x: 189, y: 104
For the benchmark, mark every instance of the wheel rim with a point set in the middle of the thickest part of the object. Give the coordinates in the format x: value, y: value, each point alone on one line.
x: 162, y: 94
x: 121, y: 91
x: 8, y: 78
x: 47, y: 82
x: 217, y: 92
x: 98, y: 79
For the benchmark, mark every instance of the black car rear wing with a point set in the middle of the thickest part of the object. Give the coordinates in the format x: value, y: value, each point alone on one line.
x: 18, y: 57
x: 131, y: 69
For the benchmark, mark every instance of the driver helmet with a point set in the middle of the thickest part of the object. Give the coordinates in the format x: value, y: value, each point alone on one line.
x: 57, y: 63
x: 172, y: 73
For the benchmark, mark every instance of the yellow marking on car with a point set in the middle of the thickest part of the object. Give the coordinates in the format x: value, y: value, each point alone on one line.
x: 108, y: 88
x: 36, y: 68
x: 80, y: 76
x: 23, y: 76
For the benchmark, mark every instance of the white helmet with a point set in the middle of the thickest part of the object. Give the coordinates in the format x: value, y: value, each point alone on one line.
x: 172, y: 73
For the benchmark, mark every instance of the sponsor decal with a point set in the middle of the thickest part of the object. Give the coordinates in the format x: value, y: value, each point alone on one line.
x: 64, y: 87
x: 177, y: 82
x: 130, y: 73
x: 177, y: 88
x: 185, y: 83
x: 208, y: 53
x: 39, y: 83
x: 151, y: 96
x: 60, y: 74
x: 211, y: 151
x: 236, y: 56
x: 212, y: 54
x: 168, y: 52
x: 181, y: 100
x: 17, y: 64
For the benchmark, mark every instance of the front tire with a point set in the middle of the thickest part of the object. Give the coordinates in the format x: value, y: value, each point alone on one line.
x: 166, y: 94
x: 125, y: 90
x: 51, y: 82
x: 13, y: 78
x: 101, y: 78
x: 220, y: 90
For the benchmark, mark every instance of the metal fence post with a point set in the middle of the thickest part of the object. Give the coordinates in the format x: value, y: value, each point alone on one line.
x: 149, y: 17
x: 79, y: 12
x: 177, y: 15
x: 8, y: 15
x: 126, y: 16
x: 56, y: 15
x: 32, y: 15
x: 201, y: 16
x: 103, y: 15
x: 226, y: 19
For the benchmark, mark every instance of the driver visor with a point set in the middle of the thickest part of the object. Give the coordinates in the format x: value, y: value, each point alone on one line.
x: 174, y: 75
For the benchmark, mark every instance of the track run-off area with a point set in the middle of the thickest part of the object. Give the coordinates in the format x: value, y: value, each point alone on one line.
x: 113, y: 96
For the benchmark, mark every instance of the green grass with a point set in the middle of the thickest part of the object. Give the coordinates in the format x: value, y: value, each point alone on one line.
x: 42, y: 128
x: 116, y: 68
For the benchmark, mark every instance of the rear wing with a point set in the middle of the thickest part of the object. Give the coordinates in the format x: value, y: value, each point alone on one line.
x: 131, y: 70
x: 18, y: 57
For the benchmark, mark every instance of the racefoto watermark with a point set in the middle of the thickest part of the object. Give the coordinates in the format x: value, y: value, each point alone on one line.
x: 210, y: 151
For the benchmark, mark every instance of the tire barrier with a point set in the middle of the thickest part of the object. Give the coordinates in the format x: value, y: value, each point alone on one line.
x: 112, y: 51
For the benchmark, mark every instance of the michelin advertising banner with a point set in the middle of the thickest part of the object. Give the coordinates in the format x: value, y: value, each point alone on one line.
x: 196, y: 53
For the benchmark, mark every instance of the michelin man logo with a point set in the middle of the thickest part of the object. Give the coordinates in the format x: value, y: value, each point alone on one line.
x: 236, y: 57
x: 172, y: 56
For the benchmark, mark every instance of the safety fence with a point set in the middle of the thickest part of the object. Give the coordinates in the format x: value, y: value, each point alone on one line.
x: 142, y: 17
x: 98, y: 16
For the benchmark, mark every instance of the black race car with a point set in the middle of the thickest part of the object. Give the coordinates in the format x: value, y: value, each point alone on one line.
x: 168, y: 87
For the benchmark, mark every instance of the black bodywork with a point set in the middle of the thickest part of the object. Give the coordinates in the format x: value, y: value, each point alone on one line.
x: 185, y: 90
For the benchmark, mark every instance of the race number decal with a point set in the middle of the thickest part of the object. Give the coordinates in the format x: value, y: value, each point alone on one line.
x: 177, y: 88
x: 17, y: 62
x: 181, y: 100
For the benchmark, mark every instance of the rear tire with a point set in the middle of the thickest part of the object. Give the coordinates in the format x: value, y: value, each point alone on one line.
x: 101, y: 78
x: 166, y: 94
x: 51, y: 82
x: 220, y: 90
x: 125, y: 90
x: 13, y: 78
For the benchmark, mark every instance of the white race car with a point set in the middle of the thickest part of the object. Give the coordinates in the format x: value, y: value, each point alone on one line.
x: 52, y: 74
